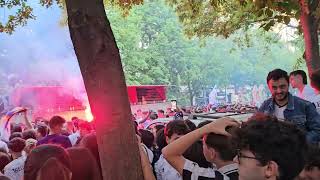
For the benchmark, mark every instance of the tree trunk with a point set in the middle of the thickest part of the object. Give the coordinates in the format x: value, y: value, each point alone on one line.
x: 100, y: 64
x: 191, y: 95
x: 309, y: 24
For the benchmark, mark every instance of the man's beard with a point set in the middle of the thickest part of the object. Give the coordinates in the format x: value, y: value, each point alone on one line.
x: 282, y: 99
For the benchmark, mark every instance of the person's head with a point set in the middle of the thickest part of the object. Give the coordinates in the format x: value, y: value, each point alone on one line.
x: 147, y: 138
x: 161, y: 139
x: 311, y: 169
x: 315, y: 81
x: 191, y: 125
x: 298, y: 78
x: 16, y: 146
x: 83, y: 164
x: 15, y: 135
x: 29, y: 134
x: 56, y: 124
x: 42, y: 131
x: 195, y: 154
x: 30, y: 145
x: 4, y: 160
x: 156, y: 128
x: 90, y: 142
x: 278, y: 83
x: 16, y: 128
x: 270, y: 149
x: 153, y: 116
x: 161, y: 113
x: 175, y: 129
x: 219, y: 149
x: 48, y: 162
x: 85, y: 128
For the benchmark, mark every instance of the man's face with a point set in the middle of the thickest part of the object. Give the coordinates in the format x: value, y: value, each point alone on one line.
x: 279, y: 89
x: 173, y: 138
x: 249, y: 168
x: 295, y: 81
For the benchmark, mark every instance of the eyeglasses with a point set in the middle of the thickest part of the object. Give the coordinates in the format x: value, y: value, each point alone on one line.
x: 240, y: 155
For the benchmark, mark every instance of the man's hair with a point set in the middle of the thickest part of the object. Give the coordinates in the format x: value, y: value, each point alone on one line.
x: 4, y: 160
x: 16, y: 128
x: 272, y: 140
x: 43, y: 130
x: 15, y: 135
x: 203, y: 123
x: 161, y: 139
x: 16, y: 144
x: 315, y: 80
x: 147, y: 138
x: 29, y: 134
x: 224, y: 145
x: 161, y: 111
x: 191, y: 125
x: 312, y: 157
x: 302, y: 74
x: 277, y: 74
x: 178, y: 127
x: 56, y: 120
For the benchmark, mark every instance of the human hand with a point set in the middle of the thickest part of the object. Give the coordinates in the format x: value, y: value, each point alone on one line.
x: 219, y: 126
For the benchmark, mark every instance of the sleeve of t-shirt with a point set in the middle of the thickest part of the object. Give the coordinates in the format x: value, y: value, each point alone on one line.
x: 192, y: 171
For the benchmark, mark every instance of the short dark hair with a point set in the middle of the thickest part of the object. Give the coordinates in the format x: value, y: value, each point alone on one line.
x: 203, y: 123
x: 4, y: 160
x: 43, y: 130
x: 302, y: 74
x: 272, y: 140
x: 147, y: 138
x: 312, y: 157
x: 161, y: 111
x: 56, y: 120
x: 315, y: 80
x: 224, y: 145
x: 191, y: 125
x: 176, y: 127
x: 17, y: 144
x: 16, y: 128
x: 15, y: 134
x: 161, y: 139
x: 277, y: 74
x: 29, y: 134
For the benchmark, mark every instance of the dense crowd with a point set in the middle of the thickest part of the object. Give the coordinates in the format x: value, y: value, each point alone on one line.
x: 279, y: 142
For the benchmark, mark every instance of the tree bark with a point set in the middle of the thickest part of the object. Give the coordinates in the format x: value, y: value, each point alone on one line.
x: 310, y: 24
x: 100, y: 64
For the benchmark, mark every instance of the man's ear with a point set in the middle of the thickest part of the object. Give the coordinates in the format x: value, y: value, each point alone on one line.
x: 167, y: 139
x: 272, y: 170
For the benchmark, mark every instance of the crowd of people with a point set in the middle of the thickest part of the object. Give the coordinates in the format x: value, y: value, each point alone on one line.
x: 279, y: 142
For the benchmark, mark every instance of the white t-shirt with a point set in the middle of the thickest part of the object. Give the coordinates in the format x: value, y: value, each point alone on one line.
x: 316, y: 102
x: 165, y: 171
x: 278, y: 111
x: 74, y: 138
x: 148, y: 152
x: 15, y: 169
x: 307, y: 93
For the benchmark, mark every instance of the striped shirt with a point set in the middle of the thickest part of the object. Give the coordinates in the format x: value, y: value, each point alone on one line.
x: 230, y: 170
x: 192, y: 171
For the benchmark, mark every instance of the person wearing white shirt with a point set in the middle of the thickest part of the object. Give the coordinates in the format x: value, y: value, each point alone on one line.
x: 15, y: 169
x: 298, y: 80
x: 315, y: 83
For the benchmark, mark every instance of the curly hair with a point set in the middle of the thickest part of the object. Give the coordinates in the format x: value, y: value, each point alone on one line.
x: 272, y: 140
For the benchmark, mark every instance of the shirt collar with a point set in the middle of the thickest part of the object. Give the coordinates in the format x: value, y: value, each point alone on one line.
x: 228, y: 168
x: 290, y: 105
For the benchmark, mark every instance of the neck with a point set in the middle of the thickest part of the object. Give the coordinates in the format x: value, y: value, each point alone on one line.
x: 16, y: 155
x: 282, y: 102
x: 221, y: 164
x: 300, y: 88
